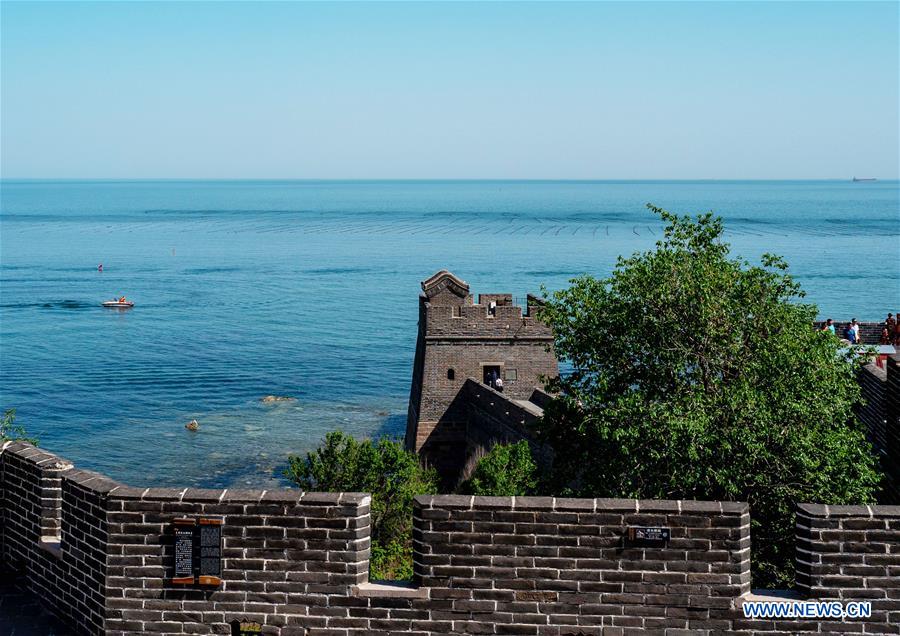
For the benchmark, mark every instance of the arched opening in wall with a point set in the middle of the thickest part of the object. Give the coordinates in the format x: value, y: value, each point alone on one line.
x: 451, y: 374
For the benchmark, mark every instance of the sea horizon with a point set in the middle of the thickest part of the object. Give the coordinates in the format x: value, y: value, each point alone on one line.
x: 866, y: 178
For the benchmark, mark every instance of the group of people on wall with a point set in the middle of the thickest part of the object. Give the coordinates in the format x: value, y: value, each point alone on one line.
x: 890, y: 330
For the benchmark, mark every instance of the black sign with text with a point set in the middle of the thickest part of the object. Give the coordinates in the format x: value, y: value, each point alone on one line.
x: 198, y: 552
x: 184, y: 550
x: 210, y: 549
x: 648, y: 536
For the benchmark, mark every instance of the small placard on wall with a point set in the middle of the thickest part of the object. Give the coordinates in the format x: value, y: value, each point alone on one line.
x: 648, y: 536
x: 198, y: 551
x: 245, y: 628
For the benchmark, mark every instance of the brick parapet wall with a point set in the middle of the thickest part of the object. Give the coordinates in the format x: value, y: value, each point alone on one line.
x: 851, y: 553
x: 297, y: 562
x: 880, y: 414
x: 494, y: 415
x: 892, y: 423
x: 475, y: 321
x: 567, y: 562
x: 872, y: 379
x: 55, y: 532
x: 284, y: 551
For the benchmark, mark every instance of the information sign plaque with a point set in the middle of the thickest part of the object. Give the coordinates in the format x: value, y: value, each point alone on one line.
x: 198, y: 551
x: 184, y: 551
x: 210, y: 551
x: 649, y: 536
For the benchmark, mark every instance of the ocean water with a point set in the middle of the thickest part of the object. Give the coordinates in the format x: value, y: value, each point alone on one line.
x: 309, y: 289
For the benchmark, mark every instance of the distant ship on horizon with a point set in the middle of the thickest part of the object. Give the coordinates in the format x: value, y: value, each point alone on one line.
x: 864, y: 179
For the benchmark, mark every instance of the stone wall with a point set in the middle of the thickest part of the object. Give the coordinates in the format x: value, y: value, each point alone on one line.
x: 892, y: 423
x: 880, y: 413
x: 48, y: 504
x: 457, y: 339
x: 535, y: 565
x: 495, y: 416
x: 296, y: 563
x: 865, y: 567
x: 283, y: 552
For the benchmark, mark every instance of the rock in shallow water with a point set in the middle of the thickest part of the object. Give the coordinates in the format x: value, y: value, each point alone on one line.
x: 276, y: 398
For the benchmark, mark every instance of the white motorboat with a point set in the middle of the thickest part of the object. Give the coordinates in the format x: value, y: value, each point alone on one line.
x: 118, y: 304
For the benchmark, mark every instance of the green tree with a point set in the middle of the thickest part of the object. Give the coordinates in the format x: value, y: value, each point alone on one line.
x: 699, y: 376
x: 10, y: 431
x: 506, y: 471
x: 385, y: 469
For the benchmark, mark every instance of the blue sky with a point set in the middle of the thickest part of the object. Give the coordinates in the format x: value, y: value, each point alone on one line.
x: 450, y: 90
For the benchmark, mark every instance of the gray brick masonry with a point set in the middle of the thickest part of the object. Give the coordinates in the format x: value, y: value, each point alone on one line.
x: 297, y: 563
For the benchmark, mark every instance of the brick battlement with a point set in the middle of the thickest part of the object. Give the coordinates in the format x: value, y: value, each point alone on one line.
x: 297, y: 563
x: 478, y: 322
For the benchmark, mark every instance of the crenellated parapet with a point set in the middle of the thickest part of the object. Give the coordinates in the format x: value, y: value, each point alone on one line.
x: 296, y: 563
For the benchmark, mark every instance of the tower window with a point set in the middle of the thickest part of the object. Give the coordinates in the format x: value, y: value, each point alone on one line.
x: 451, y: 374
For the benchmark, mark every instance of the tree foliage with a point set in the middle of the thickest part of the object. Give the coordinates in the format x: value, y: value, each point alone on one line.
x: 696, y: 375
x: 383, y: 468
x: 10, y: 431
x: 506, y: 471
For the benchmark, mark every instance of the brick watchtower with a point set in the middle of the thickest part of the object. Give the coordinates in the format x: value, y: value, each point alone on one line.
x: 460, y: 339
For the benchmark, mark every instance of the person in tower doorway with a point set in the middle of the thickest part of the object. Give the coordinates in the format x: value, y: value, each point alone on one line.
x: 498, y: 384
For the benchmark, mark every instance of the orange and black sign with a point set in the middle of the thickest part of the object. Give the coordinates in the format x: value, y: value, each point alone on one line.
x: 245, y: 628
x: 198, y: 551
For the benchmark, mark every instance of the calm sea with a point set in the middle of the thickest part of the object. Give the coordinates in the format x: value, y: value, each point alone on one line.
x: 309, y: 289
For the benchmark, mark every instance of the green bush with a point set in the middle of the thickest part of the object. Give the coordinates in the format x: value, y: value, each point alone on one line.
x: 699, y: 376
x: 10, y: 431
x: 506, y: 471
x: 385, y: 469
